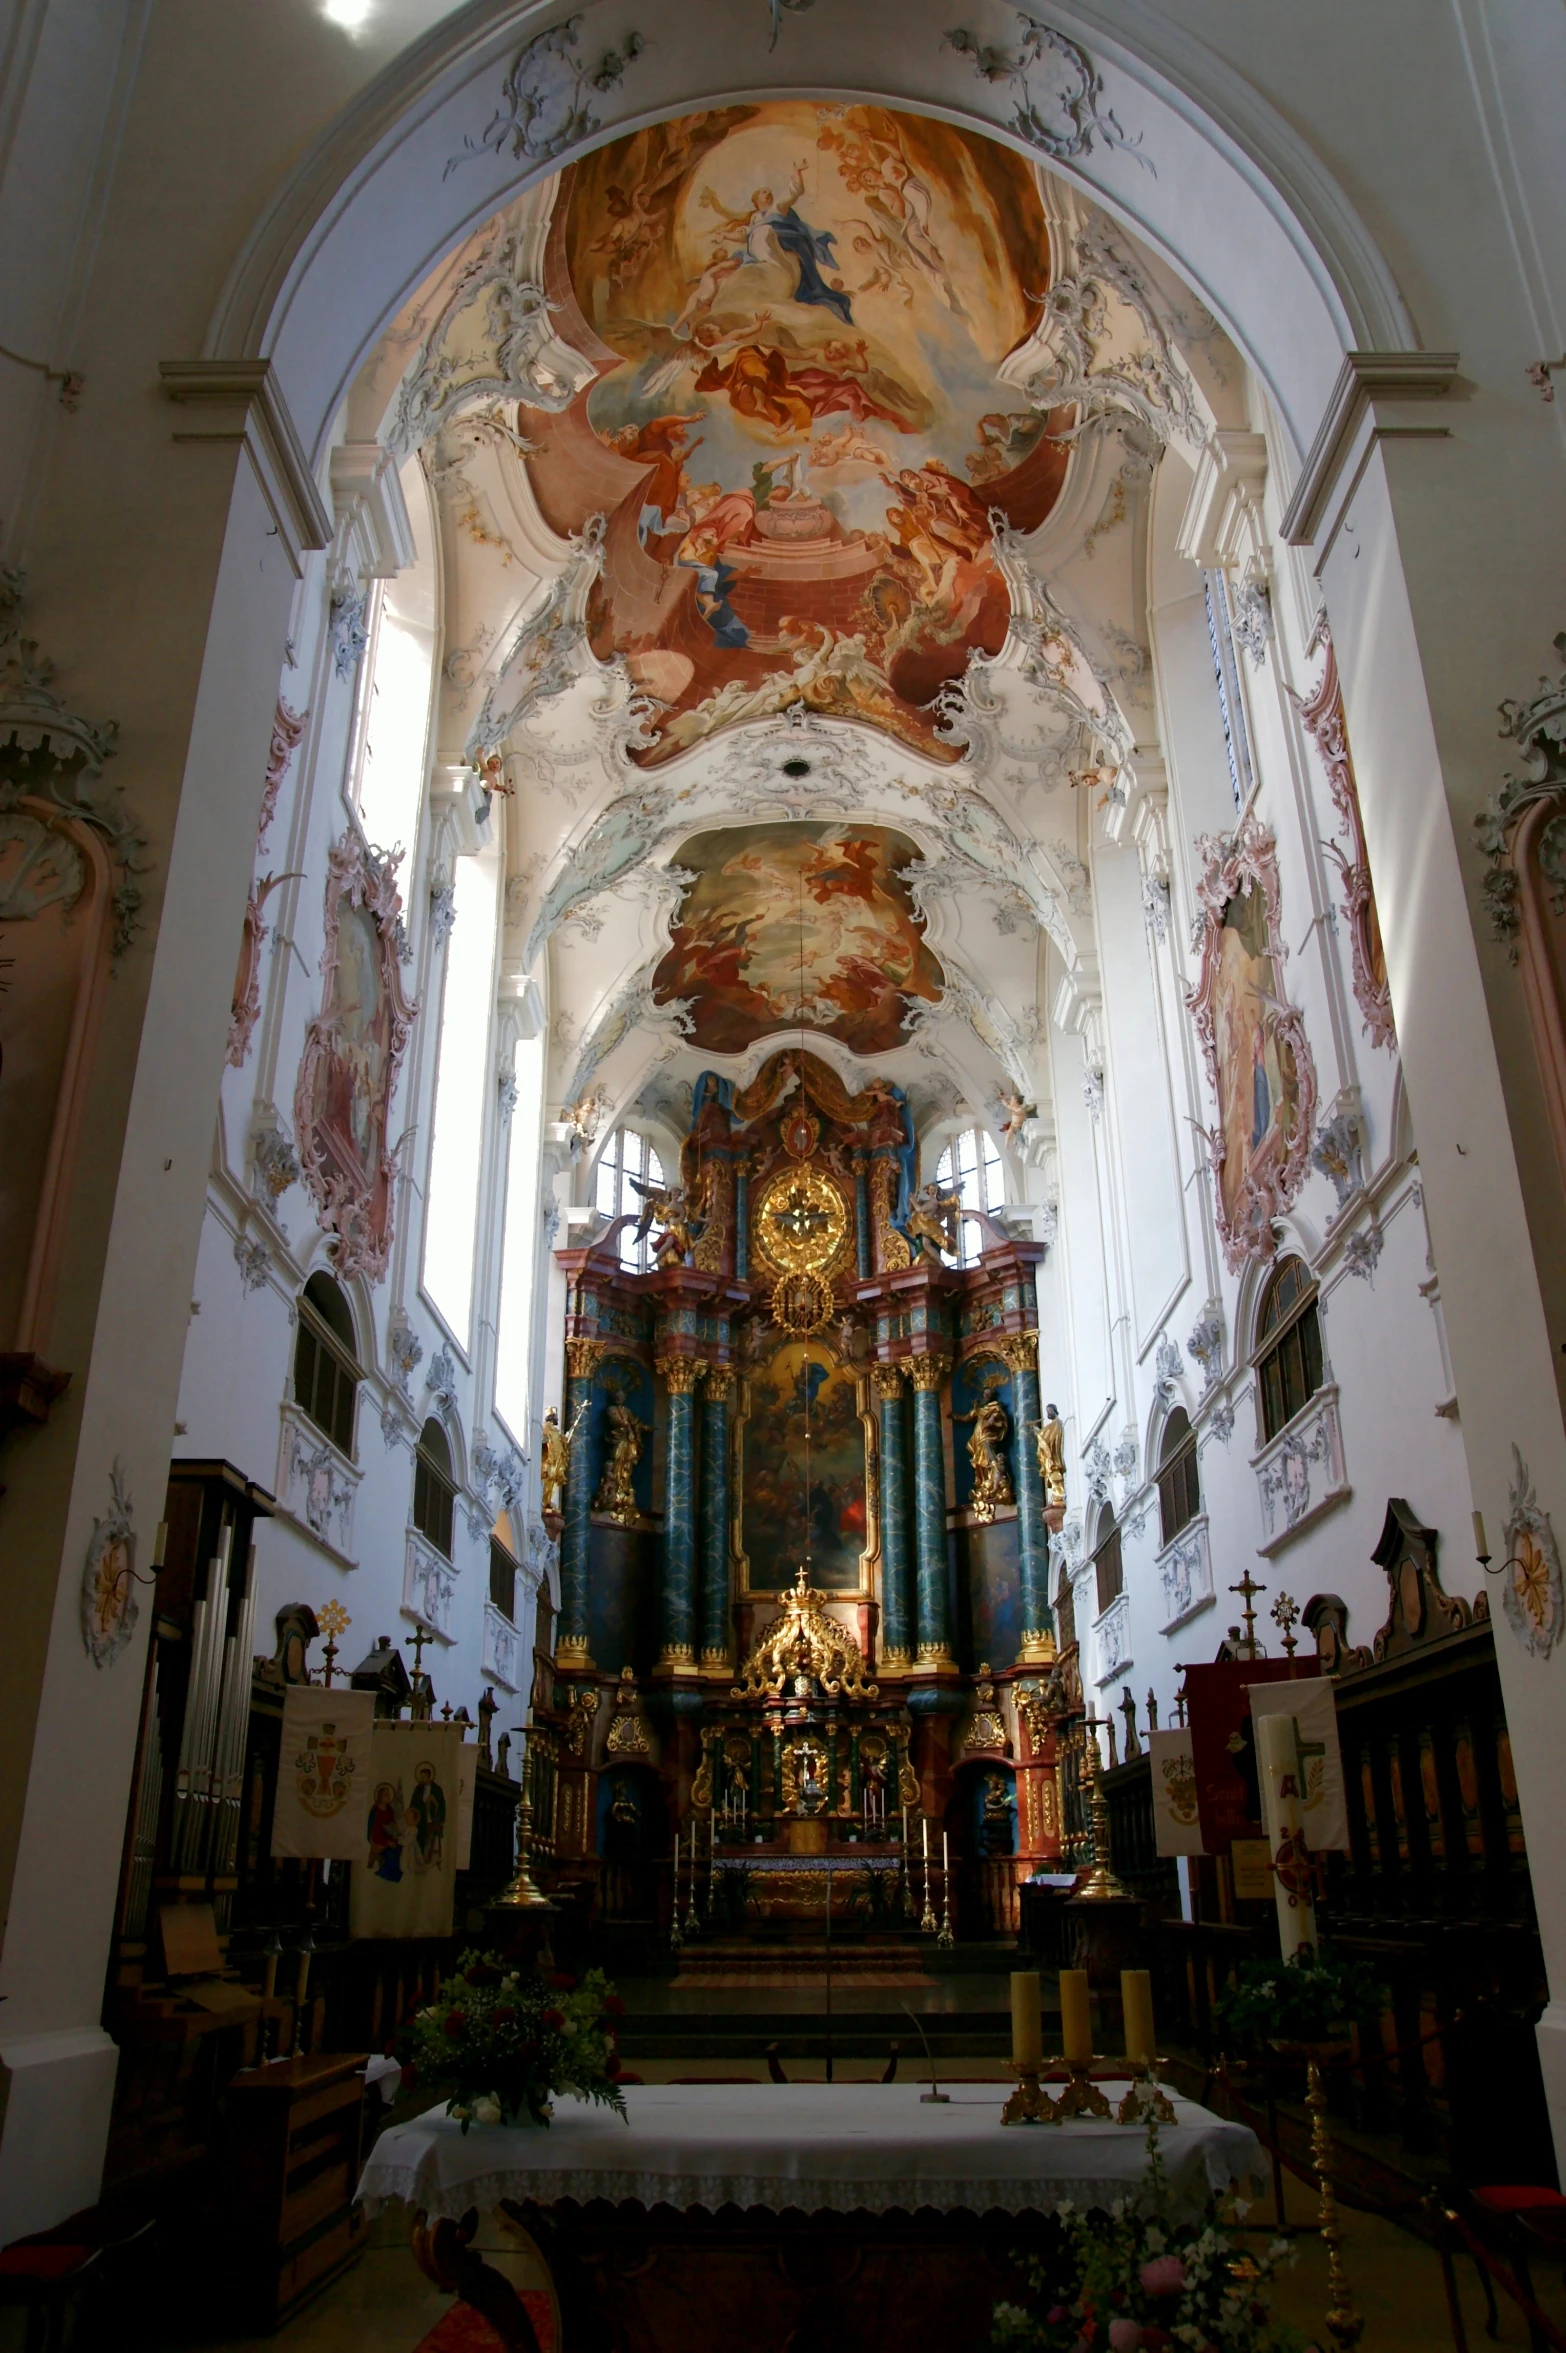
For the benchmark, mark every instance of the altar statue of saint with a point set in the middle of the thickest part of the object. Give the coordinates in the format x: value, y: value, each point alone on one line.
x: 995, y: 1830
x: 555, y: 1467
x: 1050, y: 1443
x: 616, y: 1497
x: 991, y: 1482
x: 812, y: 1797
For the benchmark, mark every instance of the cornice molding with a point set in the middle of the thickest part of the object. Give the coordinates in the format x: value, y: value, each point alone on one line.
x: 242, y: 401
x: 1366, y: 380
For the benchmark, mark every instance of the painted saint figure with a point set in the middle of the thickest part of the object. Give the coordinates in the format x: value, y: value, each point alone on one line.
x: 384, y: 1832
x: 427, y: 1820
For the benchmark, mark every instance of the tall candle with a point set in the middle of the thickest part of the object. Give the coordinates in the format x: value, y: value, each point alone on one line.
x: 1136, y: 2000
x: 1076, y: 2025
x: 905, y: 1830
x: 924, y: 1836
x: 943, y: 1855
x: 1027, y: 2024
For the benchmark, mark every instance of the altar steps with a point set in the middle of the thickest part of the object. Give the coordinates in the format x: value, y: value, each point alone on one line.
x: 966, y: 2015
x: 728, y: 1962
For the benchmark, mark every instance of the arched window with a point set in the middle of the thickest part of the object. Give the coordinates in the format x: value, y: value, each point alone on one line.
x: 970, y: 1167
x: 626, y: 1160
x: 434, y: 1488
x: 1108, y: 1573
x: 1288, y: 1353
x: 1065, y: 1611
x: 326, y: 1370
x: 503, y: 1568
x: 1179, y: 1489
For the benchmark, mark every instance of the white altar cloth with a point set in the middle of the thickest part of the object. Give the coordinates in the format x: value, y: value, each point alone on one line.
x: 807, y: 2147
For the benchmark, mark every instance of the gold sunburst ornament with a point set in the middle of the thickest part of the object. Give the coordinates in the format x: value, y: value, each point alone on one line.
x: 801, y: 1223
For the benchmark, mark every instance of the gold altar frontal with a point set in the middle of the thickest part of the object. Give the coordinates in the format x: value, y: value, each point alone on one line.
x: 794, y: 1882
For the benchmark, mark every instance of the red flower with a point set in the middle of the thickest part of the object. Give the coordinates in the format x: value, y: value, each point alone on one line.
x: 613, y: 2006
x: 410, y: 2076
x: 553, y: 2020
x: 563, y: 1984
x: 612, y: 2065
x: 456, y: 2024
x: 528, y: 2053
x: 483, y: 1973
x: 504, y: 2015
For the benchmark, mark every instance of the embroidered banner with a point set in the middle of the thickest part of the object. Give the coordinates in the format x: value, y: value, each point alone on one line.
x: 1228, y: 1795
x: 1323, y: 1805
x: 409, y: 1819
x: 1176, y: 1829
x: 323, y: 1773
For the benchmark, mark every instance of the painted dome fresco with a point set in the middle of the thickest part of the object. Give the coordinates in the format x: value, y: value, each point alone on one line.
x: 807, y: 327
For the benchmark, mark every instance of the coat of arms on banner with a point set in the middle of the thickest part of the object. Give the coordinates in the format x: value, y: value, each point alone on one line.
x: 324, y: 1770
x: 109, y: 1609
x: 1531, y: 1593
x: 1177, y: 1829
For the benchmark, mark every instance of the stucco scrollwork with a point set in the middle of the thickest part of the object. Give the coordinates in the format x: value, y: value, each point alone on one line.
x: 544, y: 103
x: 1056, y: 87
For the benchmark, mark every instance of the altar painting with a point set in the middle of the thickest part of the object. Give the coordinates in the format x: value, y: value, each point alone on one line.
x: 798, y: 925
x: 778, y: 1520
x: 797, y: 313
x: 352, y: 1050
x: 1258, y: 1060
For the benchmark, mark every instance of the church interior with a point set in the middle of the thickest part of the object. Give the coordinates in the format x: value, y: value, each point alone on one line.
x: 782, y: 1151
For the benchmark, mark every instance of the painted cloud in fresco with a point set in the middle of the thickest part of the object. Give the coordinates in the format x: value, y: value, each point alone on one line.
x: 798, y: 925
x: 796, y: 313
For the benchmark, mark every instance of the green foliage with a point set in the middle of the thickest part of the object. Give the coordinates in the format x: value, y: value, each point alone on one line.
x: 1303, y: 2000
x: 1139, y: 2280
x: 498, y: 2043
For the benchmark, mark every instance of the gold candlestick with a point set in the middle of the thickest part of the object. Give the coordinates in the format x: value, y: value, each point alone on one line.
x: 1100, y: 1885
x: 1146, y: 2097
x: 1030, y: 2103
x: 1081, y: 2096
x: 946, y: 1940
x: 523, y: 1894
x: 1345, y: 2326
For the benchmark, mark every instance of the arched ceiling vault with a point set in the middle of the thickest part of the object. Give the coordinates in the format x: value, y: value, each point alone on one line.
x: 793, y: 465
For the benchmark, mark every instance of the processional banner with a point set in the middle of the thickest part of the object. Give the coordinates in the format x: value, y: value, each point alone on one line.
x: 1176, y: 1829
x: 409, y: 1818
x: 1314, y: 1706
x: 1228, y: 1793
x: 323, y: 1773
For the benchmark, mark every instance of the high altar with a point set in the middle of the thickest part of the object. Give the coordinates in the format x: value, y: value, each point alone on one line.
x: 803, y: 1530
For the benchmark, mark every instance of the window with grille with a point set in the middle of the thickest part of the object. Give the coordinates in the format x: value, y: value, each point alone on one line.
x: 1108, y: 1573
x: 502, y: 1579
x: 434, y: 1488
x: 627, y: 1160
x: 326, y: 1371
x: 1179, y: 1489
x: 970, y: 1167
x: 1288, y: 1358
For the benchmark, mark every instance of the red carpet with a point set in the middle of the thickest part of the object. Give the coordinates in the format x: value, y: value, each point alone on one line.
x: 462, y: 2330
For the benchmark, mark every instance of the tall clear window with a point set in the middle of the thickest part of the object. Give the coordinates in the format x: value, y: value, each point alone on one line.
x: 627, y: 1161
x: 519, y: 1247
x: 1231, y: 695
x: 1179, y: 1483
x: 1289, y: 1359
x: 1108, y: 1565
x: 399, y: 670
x: 326, y: 1371
x: 970, y: 1167
x: 463, y: 1088
x: 434, y: 1487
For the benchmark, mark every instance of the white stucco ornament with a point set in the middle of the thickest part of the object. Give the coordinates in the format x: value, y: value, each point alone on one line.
x: 1531, y: 1593
x: 109, y: 1610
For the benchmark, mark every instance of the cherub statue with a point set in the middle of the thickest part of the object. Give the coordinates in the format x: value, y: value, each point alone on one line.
x: 932, y: 1221
x: 1016, y: 1112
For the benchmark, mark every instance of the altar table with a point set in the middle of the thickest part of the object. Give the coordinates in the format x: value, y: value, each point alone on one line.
x: 774, y: 2217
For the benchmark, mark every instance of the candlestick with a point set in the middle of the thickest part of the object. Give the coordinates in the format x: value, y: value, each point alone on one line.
x: 1030, y: 2103
x: 946, y: 1939
x: 1146, y: 2098
x: 927, y: 1919
x: 1136, y: 2002
x: 692, y: 1916
x: 1027, y: 2024
x: 675, y: 1939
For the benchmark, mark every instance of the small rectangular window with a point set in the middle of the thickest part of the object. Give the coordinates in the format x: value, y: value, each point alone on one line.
x: 1108, y: 1571
x: 432, y: 1504
x: 502, y: 1579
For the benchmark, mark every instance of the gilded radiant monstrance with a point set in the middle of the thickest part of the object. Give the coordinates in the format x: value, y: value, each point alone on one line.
x: 805, y: 1644
x: 801, y: 1230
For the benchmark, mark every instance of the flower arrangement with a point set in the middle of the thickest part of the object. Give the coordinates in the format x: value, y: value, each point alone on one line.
x: 499, y: 2043
x: 1303, y: 2000
x: 1137, y: 2280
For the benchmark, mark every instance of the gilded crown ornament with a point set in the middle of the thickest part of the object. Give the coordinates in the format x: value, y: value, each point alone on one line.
x: 804, y: 1643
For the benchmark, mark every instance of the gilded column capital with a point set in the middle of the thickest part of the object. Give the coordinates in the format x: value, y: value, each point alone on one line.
x: 680, y: 1374
x: 929, y: 1372
x: 583, y: 1358
x: 1020, y: 1351
x: 718, y: 1381
x: 888, y: 1379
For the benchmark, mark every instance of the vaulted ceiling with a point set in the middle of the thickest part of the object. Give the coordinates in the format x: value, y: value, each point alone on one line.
x: 792, y: 465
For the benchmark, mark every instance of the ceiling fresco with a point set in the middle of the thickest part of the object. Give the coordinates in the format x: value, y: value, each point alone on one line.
x: 797, y: 427
x: 808, y: 926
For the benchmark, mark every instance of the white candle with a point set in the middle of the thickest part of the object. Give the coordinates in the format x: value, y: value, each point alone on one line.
x: 943, y: 1854
x: 924, y: 1835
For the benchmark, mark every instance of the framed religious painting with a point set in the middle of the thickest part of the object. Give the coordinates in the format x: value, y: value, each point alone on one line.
x: 1258, y: 1058
x: 352, y: 1052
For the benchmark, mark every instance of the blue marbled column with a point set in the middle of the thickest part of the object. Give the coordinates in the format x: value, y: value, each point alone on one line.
x: 742, y: 1223
x: 862, y: 1218
x: 897, y: 1615
x: 718, y: 1389
x: 576, y: 1531
x: 680, y: 1374
x: 1038, y: 1623
x: 929, y: 1480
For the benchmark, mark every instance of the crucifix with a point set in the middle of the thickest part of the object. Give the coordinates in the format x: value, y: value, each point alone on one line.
x: 1248, y: 1590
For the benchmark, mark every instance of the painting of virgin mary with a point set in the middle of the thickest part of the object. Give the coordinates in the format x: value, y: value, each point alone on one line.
x: 1258, y: 1081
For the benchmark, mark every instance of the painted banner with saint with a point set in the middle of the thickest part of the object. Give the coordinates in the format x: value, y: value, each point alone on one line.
x: 1323, y: 1804
x: 406, y: 1861
x: 1176, y: 1829
x: 323, y: 1773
